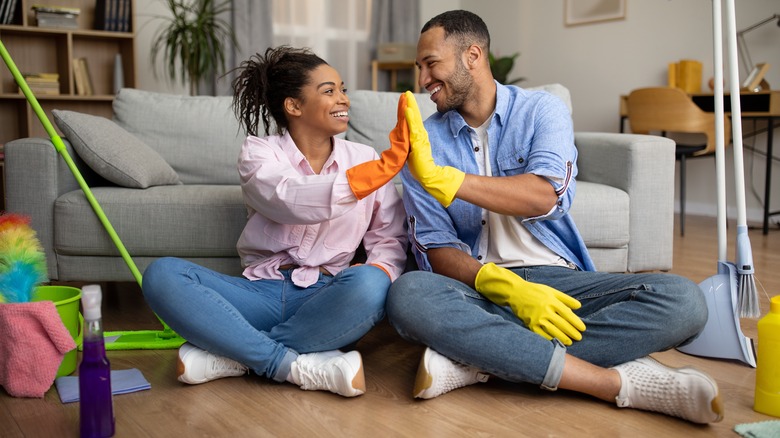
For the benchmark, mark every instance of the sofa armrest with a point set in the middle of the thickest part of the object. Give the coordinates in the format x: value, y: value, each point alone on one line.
x: 35, y: 177
x: 643, y: 167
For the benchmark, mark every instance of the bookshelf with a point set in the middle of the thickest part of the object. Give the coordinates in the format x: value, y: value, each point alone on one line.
x: 52, y: 50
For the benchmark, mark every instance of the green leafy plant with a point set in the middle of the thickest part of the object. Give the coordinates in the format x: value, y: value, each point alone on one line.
x: 193, y: 40
x: 500, y: 67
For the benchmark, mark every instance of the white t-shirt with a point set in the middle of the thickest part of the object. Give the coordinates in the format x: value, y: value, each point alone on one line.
x: 505, y: 241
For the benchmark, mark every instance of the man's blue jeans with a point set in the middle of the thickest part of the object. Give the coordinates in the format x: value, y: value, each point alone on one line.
x: 627, y: 316
x: 265, y: 324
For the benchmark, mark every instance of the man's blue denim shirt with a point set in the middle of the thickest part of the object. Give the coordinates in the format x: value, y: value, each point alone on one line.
x: 531, y: 132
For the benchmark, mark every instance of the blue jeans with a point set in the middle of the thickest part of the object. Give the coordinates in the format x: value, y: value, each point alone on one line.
x: 627, y: 316
x: 265, y: 324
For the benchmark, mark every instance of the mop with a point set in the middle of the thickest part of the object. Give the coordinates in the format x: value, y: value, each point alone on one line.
x: 116, y: 340
x: 731, y: 293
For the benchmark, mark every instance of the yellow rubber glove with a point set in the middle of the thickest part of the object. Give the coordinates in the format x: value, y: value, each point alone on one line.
x: 442, y: 182
x: 544, y: 310
x: 365, y: 178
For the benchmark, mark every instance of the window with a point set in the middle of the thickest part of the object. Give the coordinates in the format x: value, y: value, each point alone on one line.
x: 336, y: 30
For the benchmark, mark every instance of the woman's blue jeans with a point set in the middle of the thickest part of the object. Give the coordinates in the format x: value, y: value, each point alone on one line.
x: 265, y: 324
x: 627, y: 316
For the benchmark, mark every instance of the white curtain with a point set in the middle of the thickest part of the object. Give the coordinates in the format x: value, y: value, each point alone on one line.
x: 252, y: 23
x: 394, y: 21
x: 343, y: 32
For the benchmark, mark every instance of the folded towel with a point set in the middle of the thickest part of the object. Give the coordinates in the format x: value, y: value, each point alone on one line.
x: 33, y: 342
x: 762, y: 429
x: 122, y: 382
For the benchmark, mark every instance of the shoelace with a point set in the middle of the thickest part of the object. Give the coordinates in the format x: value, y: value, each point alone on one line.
x: 313, y: 377
x: 221, y: 366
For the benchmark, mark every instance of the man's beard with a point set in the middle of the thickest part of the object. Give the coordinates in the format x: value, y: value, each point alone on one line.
x: 458, y: 85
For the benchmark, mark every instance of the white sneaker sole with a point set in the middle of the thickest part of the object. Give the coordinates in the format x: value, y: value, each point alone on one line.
x: 424, y: 380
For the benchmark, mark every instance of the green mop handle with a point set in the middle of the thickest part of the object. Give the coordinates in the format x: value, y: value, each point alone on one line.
x: 59, y: 146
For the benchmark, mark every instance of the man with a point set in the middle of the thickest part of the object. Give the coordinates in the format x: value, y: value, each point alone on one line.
x: 506, y: 286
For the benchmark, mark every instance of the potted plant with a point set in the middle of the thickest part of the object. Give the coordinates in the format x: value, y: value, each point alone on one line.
x: 193, y: 40
x: 500, y: 67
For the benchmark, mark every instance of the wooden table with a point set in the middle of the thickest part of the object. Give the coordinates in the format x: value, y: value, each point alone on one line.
x: 763, y: 105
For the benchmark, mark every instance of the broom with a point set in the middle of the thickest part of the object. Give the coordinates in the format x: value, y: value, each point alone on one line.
x: 748, y: 293
x: 120, y: 340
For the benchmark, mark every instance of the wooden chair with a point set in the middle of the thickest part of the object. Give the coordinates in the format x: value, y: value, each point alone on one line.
x: 670, y: 110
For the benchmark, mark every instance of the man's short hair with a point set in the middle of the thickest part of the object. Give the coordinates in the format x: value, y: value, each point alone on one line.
x: 466, y: 26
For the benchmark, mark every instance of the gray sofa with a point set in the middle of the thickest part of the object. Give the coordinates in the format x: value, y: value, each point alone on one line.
x: 194, y: 210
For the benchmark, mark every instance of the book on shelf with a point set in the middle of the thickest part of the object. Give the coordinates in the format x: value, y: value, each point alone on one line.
x: 127, y: 16
x: 82, y: 77
x: 56, y: 16
x: 50, y: 77
x: 113, y: 15
x: 56, y: 9
x: 42, y: 83
x: 102, y: 14
x: 8, y: 11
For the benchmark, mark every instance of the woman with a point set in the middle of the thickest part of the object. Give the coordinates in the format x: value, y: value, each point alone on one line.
x: 312, y: 198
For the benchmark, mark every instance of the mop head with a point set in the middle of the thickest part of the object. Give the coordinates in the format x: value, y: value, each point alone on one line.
x: 22, y: 261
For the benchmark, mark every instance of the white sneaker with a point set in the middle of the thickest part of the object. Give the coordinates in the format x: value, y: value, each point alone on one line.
x: 680, y: 392
x: 439, y: 375
x: 199, y: 366
x: 334, y: 371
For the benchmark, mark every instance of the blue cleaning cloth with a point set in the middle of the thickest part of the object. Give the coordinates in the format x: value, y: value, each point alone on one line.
x: 122, y: 382
x: 762, y: 429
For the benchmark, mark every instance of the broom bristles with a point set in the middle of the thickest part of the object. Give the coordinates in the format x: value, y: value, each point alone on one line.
x: 748, y: 297
x: 748, y: 293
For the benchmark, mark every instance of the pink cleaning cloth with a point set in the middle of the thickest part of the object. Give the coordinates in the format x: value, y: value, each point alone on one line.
x: 33, y: 341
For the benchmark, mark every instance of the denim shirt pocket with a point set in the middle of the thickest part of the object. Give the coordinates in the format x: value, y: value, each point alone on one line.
x: 511, y: 164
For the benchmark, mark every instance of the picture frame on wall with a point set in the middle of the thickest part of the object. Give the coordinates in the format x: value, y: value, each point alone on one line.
x: 577, y: 12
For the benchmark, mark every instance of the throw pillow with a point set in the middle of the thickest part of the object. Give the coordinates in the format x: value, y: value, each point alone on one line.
x: 114, y: 153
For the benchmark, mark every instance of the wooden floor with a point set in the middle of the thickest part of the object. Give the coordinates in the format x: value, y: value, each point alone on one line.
x: 255, y: 406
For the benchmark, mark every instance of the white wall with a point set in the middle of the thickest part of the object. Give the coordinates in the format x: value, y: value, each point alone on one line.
x: 598, y: 63
x: 145, y: 25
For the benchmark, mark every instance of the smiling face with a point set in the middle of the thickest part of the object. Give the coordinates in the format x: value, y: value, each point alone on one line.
x: 442, y: 70
x: 324, y: 104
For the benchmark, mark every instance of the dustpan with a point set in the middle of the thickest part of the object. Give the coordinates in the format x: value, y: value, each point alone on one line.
x: 722, y: 335
x: 117, y: 340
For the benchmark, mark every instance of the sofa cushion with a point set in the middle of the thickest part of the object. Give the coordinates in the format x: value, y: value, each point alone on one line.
x: 114, y: 153
x: 601, y: 213
x: 199, y: 136
x: 180, y: 221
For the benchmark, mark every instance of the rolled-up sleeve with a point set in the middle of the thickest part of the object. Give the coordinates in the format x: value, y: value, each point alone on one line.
x: 553, y: 154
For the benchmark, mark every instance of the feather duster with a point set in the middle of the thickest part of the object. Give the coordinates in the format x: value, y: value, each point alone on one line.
x: 22, y: 261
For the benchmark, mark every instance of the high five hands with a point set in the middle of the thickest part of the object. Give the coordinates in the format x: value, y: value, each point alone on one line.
x: 442, y: 182
x: 367, y: 177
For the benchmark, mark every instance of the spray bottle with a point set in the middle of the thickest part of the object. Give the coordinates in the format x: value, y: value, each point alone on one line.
x: 767, y: 398
x: 97, y: 409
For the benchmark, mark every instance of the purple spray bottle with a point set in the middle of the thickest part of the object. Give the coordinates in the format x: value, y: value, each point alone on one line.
x: 97, y: 409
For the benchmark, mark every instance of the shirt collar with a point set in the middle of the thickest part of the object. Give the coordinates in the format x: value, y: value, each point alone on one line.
x: 456, y: 122
x: 297, y: 158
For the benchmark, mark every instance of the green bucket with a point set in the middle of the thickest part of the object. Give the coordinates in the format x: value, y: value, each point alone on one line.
x: 67, y: 300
